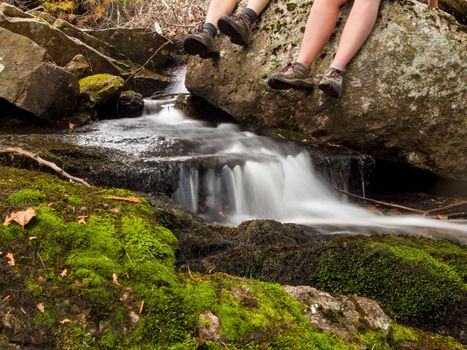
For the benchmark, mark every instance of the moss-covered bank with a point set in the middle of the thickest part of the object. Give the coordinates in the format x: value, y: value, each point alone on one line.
x: 96, y: 272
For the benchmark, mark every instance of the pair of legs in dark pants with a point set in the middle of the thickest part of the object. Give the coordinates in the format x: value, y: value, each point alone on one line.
x: 319, y: 27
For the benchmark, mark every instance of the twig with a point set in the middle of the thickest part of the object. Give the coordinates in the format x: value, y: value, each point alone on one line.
x: 41, y: 161
x: 42, y: 261
x: 160, y: 95
x: 382, y: 203
x: 446, y: 207
x: 145, y: 63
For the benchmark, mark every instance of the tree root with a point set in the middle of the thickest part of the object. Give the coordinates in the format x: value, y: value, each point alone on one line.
x: 43, y: 162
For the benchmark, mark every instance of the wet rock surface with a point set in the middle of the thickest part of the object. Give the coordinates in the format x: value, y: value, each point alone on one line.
x: 397, y: 85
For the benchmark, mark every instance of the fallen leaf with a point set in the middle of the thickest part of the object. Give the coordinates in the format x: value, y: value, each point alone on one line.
x: 32, y: 238
x: 11, y: 259
x: 125, y: 199
x: 21, y: 217
x: 141, y: 307
x: 82, y: 219
x: 71, y: 125
x: 40, y: 307
x: 65, y: 321
x: 115, y: 279
x: 115, y: 210
x: 64, y: 273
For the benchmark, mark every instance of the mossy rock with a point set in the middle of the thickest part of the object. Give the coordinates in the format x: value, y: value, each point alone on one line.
x: 104, y: 271
x: 419, y: 281
x: 101, y: 88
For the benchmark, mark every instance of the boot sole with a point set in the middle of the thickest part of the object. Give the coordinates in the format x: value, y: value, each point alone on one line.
x: 328, y: 90
x: 229, y: 29
x: 278, y: 84
x: 193, y: 46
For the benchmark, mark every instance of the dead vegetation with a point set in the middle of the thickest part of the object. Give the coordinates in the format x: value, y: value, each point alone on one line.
x: 172, y: 18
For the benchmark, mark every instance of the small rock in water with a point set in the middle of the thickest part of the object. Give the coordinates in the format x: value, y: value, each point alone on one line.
x: 130, y: 104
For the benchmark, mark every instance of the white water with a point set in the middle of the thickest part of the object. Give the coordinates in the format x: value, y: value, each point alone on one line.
x: 238, y: 175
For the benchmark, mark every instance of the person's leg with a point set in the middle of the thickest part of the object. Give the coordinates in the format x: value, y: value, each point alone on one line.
x: 201, y: 41
x: 238, y: 27
x: 219, y: 8
x: 257, y: 5
x: 319, y: 27
x: 358, y: 27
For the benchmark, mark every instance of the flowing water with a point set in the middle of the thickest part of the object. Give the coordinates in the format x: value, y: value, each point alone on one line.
x: 228, y: 175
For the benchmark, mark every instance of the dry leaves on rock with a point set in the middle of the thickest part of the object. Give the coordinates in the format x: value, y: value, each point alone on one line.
x: 21, y: 217
x: 82, y: 219
x: 40, y: 307
x: 11, y: 259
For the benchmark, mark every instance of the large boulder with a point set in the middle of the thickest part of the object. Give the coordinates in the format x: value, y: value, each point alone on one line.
x: 61, y: 47
x: 405, y: 99
x: 31, y: 82
x: 139, y: 45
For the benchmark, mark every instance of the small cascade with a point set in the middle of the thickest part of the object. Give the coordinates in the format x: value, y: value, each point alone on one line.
x: 227, y: 175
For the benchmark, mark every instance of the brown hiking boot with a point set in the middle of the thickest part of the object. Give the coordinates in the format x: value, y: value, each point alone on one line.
x: 236, y: 27
x: 295, y: 76
x: 201, y: 43
x: 332, y: 81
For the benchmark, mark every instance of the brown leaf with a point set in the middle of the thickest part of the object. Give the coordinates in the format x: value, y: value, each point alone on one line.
x: 125, y: 199
x: 65, y: 321
x: 115, y: 210
x: 71, y: 125
x: 40, y: 307
x: 82, y: 219
x: 32, y: 238
x: 11, y: 259
x: 21, y: 217
x: 115, y: 279
x: 64, y: 273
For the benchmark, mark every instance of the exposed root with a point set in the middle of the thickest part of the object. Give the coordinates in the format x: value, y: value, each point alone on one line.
x: 43, y: 162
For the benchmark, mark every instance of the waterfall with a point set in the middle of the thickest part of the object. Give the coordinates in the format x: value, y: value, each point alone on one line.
x: 226, y: 175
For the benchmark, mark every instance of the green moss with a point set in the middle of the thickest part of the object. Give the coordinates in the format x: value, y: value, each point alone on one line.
x: 130, y: 245
x: 33, y: 287
x: 27, y: 196
x: 415, y: 287
x: 101, y: 87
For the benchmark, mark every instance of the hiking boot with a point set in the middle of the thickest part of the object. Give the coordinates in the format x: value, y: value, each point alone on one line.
x: 236, y: 27
x: 295, y: 76
x: 201, y: 43
x: 331, y: 84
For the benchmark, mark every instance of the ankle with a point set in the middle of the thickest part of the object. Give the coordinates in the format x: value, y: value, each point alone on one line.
x: 337, y: 67
x: 250, y: 15
x: 210, y: 29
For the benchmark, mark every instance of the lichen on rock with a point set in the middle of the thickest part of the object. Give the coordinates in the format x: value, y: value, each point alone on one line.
x: 404, y: 101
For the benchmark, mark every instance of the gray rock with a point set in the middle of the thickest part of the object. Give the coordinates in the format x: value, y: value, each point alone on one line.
x: 60, y: 47
x: 130, y: 104
x: 138, y: 44
x: 31, y: 82
x: 78, y: 66
x: 339, y: 315
x: 405, y: 99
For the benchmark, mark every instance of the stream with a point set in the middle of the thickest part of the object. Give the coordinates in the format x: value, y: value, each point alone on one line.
x: 228, y: 175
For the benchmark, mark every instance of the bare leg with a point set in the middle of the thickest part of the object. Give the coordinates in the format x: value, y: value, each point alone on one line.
x: 219, y: 8
x: 361, y: 21
x: 319, y: 27
x: 257, y: 5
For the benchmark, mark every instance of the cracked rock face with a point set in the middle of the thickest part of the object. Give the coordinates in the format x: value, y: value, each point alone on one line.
x: 404, y: 101
x: 339, y: 315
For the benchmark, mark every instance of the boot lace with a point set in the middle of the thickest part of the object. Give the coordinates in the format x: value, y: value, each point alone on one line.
x: 288, y: 66
x: 241, y: 17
